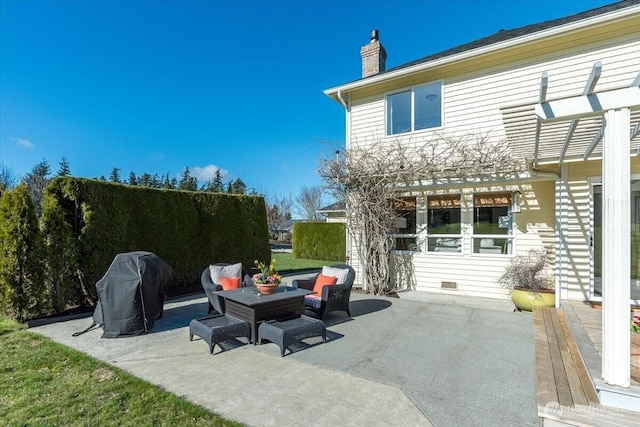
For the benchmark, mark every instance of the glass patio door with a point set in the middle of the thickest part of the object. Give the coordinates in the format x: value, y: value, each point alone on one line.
x: 596, y: 242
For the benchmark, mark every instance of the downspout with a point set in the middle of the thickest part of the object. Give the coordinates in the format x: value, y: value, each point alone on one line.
x: 341, y: 100
x: 560, y: 200
x: 348, y: 242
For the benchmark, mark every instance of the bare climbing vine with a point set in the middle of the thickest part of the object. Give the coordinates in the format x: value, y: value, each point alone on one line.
x: 371, y: 177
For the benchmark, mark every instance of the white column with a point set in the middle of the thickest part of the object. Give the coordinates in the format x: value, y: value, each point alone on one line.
x: 616, y: 251
x: 562, y: 229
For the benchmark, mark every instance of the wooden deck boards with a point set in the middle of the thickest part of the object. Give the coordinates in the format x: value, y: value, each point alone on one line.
x: 565, y: 393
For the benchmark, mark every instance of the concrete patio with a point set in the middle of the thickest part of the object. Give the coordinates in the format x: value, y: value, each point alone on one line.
x: 422, y: 359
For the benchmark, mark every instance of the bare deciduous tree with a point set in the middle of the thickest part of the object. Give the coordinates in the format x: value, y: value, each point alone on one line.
x: 8, y: 178
x: 278, y: 211
x: 309, y: 201
x: 370, y: 180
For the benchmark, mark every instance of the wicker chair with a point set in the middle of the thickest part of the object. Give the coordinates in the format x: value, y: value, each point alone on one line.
x: 333, y: 298
x: 215, y: 302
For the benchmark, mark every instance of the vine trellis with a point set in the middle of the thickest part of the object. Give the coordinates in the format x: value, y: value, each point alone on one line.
x: 370, y: 176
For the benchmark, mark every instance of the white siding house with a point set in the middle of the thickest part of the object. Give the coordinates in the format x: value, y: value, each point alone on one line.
x: 554, y: 92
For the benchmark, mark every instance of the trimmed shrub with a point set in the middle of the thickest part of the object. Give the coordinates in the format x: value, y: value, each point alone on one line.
x: 61, y: 260
x: 189, y: 230
x: 22, y: 290
x: 319, y: 240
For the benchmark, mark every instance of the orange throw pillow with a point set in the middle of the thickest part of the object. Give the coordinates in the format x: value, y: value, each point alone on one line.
x: 229, y: 283
x: 322, y: 281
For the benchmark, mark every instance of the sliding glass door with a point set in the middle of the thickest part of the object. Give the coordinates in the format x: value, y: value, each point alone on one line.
x: 596, y: 241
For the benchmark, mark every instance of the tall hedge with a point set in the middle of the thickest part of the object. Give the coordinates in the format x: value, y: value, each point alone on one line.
x: 319, y: 240
x: 189, y: 230
x: 22, y: 291
x: 61, y: 256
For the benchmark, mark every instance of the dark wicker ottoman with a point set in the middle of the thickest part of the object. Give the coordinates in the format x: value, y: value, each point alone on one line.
x: 287, y: 332
x: 215, y: 329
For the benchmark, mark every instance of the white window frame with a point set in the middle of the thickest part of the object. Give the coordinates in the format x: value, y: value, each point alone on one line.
x: 509, y: 237
x: 412, y: 89
x: 414, y: 236
x: 459, y: 236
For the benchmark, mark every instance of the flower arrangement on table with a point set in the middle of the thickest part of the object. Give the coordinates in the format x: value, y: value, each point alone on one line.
x: 268, y: 279
x: 268, y: 274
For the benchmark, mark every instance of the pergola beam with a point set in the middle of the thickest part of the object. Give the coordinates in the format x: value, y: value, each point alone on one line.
x: 578, y: 107
x: 634, y: 131
x: 544, y: 85
x: 594, y: 143
x: 592, y: 81
x: 589, y: 87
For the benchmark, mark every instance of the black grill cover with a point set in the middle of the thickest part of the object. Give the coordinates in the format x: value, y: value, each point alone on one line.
x: 131, y: 294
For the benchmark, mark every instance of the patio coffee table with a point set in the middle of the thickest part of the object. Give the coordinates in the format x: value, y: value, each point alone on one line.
x: 247, y: 304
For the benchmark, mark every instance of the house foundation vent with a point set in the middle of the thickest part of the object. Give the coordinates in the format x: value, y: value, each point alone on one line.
x: 449, y: 285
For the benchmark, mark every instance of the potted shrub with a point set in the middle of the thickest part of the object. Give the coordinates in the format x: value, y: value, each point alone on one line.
x: 528, y: 279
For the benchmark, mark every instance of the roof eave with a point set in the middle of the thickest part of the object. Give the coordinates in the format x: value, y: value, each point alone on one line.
x: 596, y: 20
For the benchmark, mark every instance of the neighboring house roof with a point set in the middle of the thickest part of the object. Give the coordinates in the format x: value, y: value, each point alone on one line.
x: 287, y: 224
x: 501, y: 36
x: 335, y: 207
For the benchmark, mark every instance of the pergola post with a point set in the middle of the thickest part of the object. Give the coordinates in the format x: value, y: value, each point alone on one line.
x: 562, y: 231
x: 616, y: 248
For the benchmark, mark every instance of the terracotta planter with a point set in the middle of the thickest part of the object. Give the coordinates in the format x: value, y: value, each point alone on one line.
x: 635, y: 356
x: 525, y: 300
x: 266, y: 288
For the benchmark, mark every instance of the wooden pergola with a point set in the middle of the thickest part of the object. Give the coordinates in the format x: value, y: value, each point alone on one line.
x: 611, y: 121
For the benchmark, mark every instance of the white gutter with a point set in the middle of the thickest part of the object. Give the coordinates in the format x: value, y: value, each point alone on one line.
x: 555, y: 31
x: 549, y: 175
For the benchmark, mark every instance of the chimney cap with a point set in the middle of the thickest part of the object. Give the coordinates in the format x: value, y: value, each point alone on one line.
x: 374, y: 35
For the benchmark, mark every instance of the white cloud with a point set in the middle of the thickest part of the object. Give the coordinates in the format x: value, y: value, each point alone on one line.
x: 24, y: 142
x: 207, y: 173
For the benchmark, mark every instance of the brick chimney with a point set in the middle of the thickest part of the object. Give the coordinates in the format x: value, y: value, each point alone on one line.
x: 373, y: 56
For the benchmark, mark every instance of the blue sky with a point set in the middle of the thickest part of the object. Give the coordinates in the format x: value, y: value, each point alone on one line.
x: 155, y: 86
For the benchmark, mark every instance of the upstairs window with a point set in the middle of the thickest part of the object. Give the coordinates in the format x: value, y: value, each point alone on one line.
x: 417, y: 108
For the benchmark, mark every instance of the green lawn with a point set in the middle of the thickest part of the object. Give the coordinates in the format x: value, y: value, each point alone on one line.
x: 287, y: 264
x: 43, y: 383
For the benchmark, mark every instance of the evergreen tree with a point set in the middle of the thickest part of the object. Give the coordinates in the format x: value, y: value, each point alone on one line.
x: 188, y: 182
x: 218, y: 186
x: 21, y: 268
x: 209, y: 187
x: 238, y: 187
x: 156, y: 182
x: 167, y: 184
x: 64, y: 168
x: 144, y: 180
x: 61, y: 261
x: 132, y: 178
x: 115, y: 175
x: 37, y: 180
